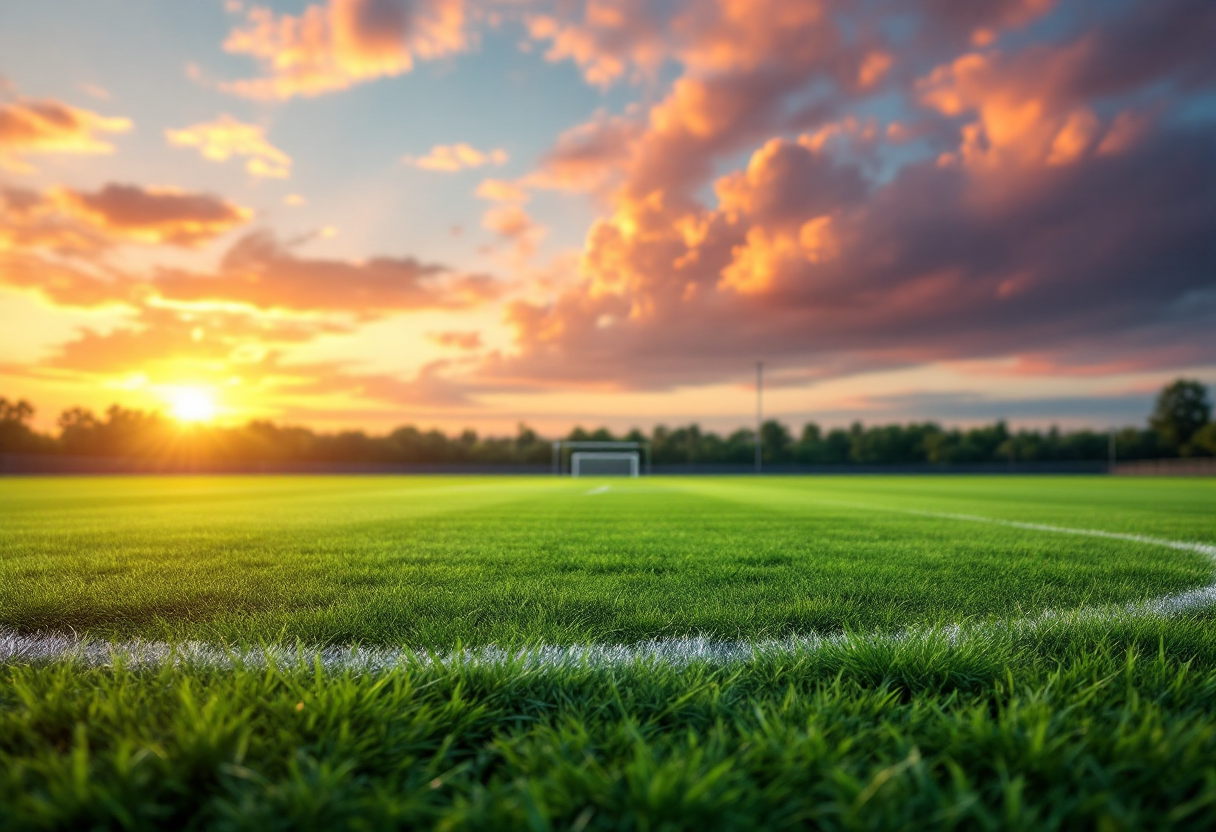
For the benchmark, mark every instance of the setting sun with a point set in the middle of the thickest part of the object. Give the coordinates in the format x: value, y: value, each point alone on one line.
x: 191, y: 404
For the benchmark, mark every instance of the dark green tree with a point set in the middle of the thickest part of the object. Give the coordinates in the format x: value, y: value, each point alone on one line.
x: 1182, y: 409
x: 15, y: 432
x: 775, y: 440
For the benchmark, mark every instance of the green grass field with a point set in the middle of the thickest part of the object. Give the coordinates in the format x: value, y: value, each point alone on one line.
x: 1103, y: 720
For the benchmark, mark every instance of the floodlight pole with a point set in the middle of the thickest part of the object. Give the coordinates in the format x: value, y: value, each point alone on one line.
x: 759, y: 411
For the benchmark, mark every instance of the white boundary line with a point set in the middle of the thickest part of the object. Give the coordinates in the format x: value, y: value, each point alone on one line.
x: 41, y: 647
x: 603, y: 489
x: 1207, y: 549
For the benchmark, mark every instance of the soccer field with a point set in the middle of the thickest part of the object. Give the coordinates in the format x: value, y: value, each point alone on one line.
x: 852, y: 652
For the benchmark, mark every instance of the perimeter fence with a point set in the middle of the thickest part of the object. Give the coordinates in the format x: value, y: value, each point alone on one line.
x: 51, y: 464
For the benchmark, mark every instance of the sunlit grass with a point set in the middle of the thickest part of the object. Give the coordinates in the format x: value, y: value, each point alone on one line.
x: 1103, y: 724
x: 1094, y: 728
x: 429, y: 563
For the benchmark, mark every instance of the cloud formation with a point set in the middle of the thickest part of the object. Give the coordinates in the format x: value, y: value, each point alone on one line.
x: 499, y: 190
x: 261, y: 272
x: 345, y: 42
x: 30, y: 126
x: 237, y: 323
x: 456, y: 157
x: 77, y: 222
x: 166, y: 216
x: 1050, y: 208
x: 226, y: 137
x: 1025, y: 186
x: 457, y: 339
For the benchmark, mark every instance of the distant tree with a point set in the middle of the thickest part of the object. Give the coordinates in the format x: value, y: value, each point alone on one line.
x: 836, y: 447
x: 1182, y: 409
x: 525, y: 436
x: 1203, y: 443
x: 775, y: 440
x: 15, y: 432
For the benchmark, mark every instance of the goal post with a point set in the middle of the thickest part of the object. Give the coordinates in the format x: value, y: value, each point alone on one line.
x: 600, y: 458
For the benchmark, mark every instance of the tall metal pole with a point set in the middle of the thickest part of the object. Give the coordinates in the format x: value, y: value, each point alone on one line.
x: 759, y: 410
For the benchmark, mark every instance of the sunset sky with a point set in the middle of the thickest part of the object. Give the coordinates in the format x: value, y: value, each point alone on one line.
x: 364, y: 213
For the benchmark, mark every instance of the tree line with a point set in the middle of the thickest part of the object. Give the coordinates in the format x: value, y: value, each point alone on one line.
x: 1180, y: 425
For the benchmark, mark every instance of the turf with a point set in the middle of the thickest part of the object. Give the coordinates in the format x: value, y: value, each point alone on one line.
x: 430, y: 563
x: 1105, y: 723
x: 1084, y: 729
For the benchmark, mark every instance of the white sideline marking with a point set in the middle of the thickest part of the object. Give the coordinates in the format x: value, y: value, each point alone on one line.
x: 674, y: 651
x: 603, y: 489
x: 1182, y: 545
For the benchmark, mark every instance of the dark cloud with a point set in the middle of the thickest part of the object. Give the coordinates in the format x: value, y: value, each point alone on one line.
x: 956, y: 407
x: 1114, y: 251
x: 1064, y: 218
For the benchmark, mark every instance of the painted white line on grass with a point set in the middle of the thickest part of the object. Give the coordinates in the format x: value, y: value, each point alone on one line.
x: 603, y: 489
x: 41, y: 647
x: 1207, y: 549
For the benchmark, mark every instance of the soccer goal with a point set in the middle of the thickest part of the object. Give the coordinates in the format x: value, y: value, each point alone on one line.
x: 604, y: 464
x: 601, y: 459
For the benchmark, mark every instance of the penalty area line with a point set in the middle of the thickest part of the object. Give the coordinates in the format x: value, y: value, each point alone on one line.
x: 603, y: 489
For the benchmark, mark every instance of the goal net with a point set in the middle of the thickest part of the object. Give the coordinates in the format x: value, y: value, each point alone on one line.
x: 601, y: 457
x: 604, y: 464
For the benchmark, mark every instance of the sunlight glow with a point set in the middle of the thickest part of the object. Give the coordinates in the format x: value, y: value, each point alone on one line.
x: 192, y: 404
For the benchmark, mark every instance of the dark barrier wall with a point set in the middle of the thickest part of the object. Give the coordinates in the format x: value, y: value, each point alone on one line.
x: 51, y: 464
x: 1190, y: 467
x: 910, y: 468
x: 48, y: 464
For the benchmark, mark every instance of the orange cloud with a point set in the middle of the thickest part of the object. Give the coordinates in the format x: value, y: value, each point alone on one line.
x: 260, y: 272
x: 240, y: 353
x: 73, y: 222
x: 456, y: 157
x: 760, y: 262
x: 164, y: 342
x: 613, y: 39
x: 514, y: 223
x: 226, y: 137
x: 459, y: 340
x: 499, y: 190
x: 332, y: 47
x: 30, y: 220
x: 32, y: 126
x: 1030, y: 109
x: 588, y: 157
x: 67, y: 285
x: 166, y: 216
